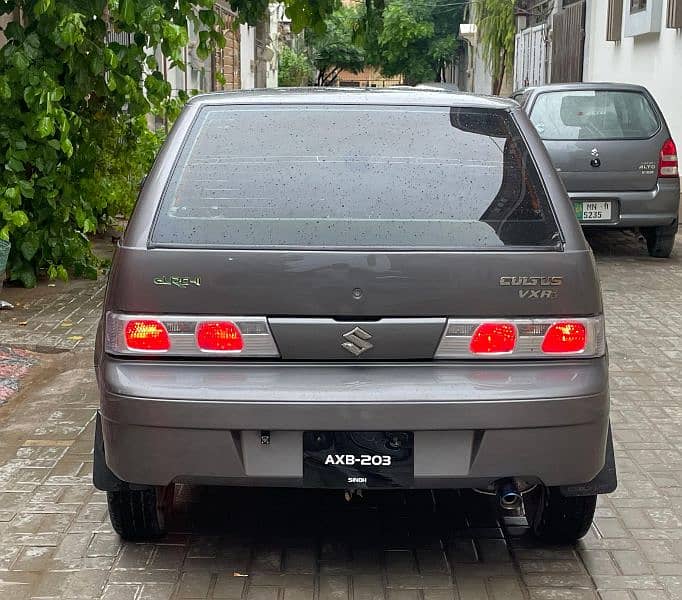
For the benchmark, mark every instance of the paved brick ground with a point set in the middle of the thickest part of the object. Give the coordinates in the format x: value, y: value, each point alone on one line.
x: 55, y: 540
x: 53, y: 317
x: 14, y: 365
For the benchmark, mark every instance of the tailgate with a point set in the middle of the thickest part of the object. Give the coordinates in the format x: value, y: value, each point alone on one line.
x: 606, y: 165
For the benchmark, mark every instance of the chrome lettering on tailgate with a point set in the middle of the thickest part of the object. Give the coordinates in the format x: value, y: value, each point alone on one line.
x: 531, y: 280
x: 538, y: 294
x: 537, y: 283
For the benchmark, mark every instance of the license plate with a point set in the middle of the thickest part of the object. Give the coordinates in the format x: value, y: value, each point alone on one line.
x: 593, y: 211
x: 360, y: 459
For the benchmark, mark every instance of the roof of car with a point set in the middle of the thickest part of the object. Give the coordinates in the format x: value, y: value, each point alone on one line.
x: 605, y: 85
x: 398, y: 95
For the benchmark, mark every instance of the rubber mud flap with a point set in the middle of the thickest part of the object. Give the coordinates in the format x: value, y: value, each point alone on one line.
x: 102, y: 477
x: 606, y: 480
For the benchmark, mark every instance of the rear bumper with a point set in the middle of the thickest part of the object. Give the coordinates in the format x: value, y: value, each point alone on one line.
x: 659, y: 206
x: 473, y: 423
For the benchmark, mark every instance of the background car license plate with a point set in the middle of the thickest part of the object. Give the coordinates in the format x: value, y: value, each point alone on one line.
x: 593, y: 211
x: 358, y: 459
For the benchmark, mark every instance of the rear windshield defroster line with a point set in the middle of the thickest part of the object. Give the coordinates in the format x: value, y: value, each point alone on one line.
x: 351, y: 177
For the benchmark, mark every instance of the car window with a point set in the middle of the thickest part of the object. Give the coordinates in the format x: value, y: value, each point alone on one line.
x: 354, y: 177
x: 593, y: 115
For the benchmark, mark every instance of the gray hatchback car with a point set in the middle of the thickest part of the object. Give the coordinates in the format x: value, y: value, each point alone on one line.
x: 354, y: 289
x: 612, y: 148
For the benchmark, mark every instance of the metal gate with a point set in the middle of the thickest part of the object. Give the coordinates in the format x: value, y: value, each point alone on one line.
x: 568, y: 44
x: 530, y: 57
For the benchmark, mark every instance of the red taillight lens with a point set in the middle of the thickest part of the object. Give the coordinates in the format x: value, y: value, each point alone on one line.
x: 219, y: 336
x: 146, y: 334
x: 565, y: 337
x: 493, y: 338
x: 668, y: 165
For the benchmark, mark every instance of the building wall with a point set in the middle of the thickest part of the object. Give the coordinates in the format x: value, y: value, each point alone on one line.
x: 247, y: 56
x: 652, y: 60
x: 368, y: 77
x: 272, y: 66
x: 226, y: 60
x: 258, y: 52
x: 473, y: 73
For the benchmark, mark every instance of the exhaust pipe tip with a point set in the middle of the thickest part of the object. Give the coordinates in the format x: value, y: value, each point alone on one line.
x: 508, y: 495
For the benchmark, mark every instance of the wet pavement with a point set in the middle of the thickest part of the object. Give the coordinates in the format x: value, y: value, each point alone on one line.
x: 56, y: 541
x: 14, y: 366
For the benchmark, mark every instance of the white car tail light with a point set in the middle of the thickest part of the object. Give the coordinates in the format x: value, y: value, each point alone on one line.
x: 522, y: 338
x: 668, y: 165
x: 189, y: 336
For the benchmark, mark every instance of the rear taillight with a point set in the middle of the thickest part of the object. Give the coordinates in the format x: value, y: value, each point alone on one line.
x: 146, y: 335
x: 522, y: 338
x: 668, y: 165
x: 219, y: 336
x: 188, y: 336
x: 493, y: 338
x: 565, y: 337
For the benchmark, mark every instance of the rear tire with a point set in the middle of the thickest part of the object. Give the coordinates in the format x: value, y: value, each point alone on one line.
x: 660, y: 240
x: 562, y: 519
x: 140, y: 514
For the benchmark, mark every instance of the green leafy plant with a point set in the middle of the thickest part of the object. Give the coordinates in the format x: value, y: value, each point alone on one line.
x: 404, y: 42
x: 496, y: 31
x: 74, y: 101
x: 412, y: 39
x: 295, y: 68
x: 334, y: 48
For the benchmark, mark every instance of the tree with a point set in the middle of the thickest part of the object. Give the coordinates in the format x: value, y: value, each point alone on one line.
x: 496, y: 31
x: 70, y: 98
x: 295, y: 68
x: 334, y: 49
x: 417, y: 39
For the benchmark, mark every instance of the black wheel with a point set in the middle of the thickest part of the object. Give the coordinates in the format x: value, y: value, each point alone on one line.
x: 140, y: 514
x: 660, y: 240
x: 561, y: 519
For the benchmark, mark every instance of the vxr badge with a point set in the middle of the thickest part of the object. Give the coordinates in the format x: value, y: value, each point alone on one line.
x: 357, y: 341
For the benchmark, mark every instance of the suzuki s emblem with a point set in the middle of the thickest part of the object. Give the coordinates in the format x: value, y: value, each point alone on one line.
x: 357, y: 341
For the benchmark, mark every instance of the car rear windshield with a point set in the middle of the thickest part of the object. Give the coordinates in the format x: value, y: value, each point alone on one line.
x: 332, y: 176
x: 594, y: 115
